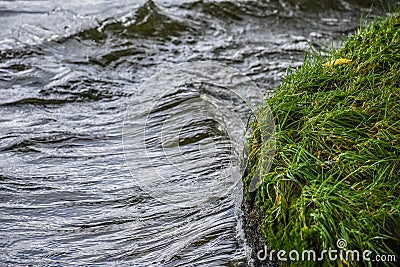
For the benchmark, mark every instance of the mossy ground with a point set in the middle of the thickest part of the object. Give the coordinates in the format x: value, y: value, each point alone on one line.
x: 336, y: 170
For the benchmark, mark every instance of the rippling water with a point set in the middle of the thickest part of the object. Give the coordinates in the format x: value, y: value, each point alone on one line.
x: 69, y: 71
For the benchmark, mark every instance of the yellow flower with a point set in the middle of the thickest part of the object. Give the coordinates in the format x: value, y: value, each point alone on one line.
x: 338, y: 61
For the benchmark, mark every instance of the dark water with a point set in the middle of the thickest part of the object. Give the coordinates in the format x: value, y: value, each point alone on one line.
x: 68, y: 72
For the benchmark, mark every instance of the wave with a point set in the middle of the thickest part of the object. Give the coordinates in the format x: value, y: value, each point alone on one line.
x: 149, y: 21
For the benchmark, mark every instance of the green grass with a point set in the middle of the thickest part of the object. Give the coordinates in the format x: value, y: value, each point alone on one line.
x: 336, y: 170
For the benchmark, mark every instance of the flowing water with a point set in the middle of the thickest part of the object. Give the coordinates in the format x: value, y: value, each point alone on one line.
x: 69, y: 71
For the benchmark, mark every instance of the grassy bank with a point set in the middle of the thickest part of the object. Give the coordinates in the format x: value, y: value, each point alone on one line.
x: 335, y: 174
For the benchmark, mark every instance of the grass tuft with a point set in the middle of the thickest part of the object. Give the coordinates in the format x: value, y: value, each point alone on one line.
x: 336, y: 170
